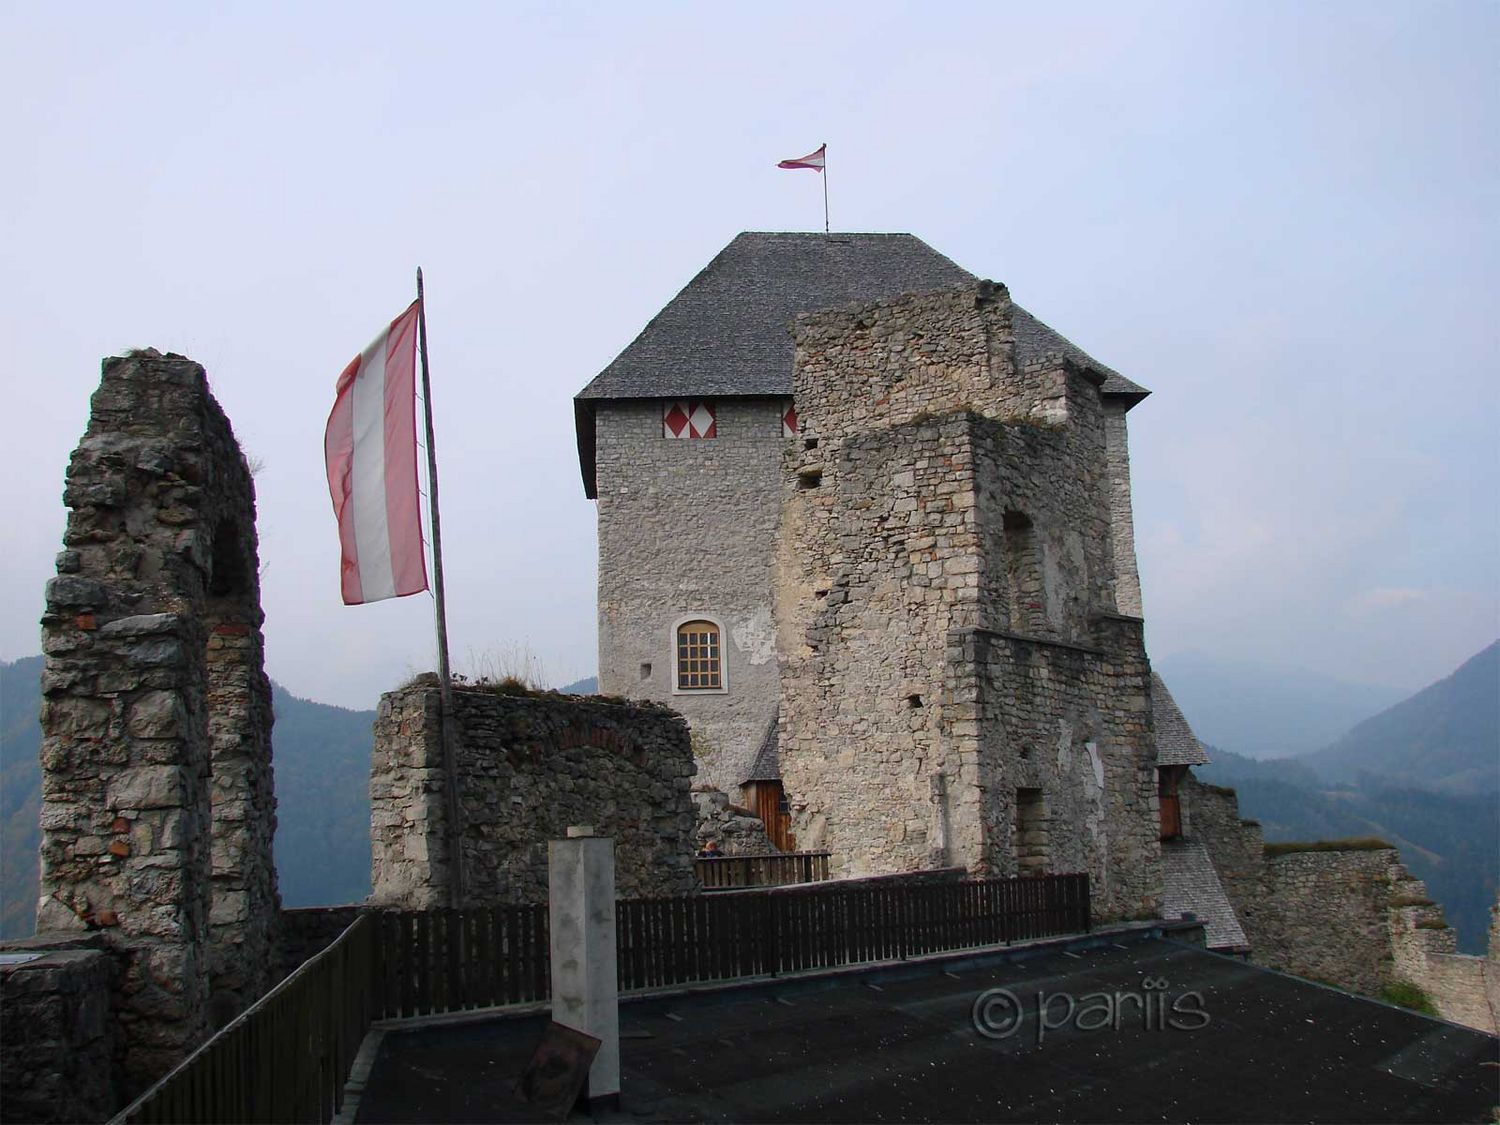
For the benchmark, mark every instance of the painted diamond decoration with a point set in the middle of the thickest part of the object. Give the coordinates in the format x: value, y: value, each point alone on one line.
x: 789, y: 420
x: 688, y: 418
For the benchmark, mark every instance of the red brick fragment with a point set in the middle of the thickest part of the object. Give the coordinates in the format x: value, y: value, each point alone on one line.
x: 119, y: 848
x: 230, y: 629
x: 120, y: 825
x: 86, y: 622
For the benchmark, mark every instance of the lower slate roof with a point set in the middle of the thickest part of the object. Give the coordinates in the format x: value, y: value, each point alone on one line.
x: 1176, y: 744
x: 1192, y: 887
x: 727, y: 333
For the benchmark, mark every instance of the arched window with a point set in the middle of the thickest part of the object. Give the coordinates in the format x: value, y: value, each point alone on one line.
x: 699, y: 657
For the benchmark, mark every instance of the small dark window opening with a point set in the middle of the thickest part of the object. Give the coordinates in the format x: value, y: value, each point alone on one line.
x: 645, y: 671
x: 810, y: 443
x: 1023, y: 569
x: 229, y: 574
x: 914, y: 701
x: 810, y: 478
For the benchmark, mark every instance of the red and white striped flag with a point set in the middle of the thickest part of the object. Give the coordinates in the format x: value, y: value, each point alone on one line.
x: 370, y: 448
x: 813, y: 160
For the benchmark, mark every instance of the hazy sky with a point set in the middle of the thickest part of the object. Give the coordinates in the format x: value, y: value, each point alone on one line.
x: 1280, y: 217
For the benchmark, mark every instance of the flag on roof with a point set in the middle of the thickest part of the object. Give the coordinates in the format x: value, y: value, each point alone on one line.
x: 370, y: 449
x: 814, y: 160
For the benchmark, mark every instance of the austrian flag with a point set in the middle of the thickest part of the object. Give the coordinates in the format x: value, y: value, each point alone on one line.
x: 370, y: 448
x: 814, y: 160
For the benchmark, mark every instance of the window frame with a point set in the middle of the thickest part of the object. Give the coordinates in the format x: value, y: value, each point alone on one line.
x: 673, y: 643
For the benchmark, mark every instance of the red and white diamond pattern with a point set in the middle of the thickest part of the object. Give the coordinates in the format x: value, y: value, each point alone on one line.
x: 685, y: 418
x: 789, y: 420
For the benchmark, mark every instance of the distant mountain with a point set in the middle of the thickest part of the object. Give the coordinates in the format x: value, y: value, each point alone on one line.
x: 1449, y: 841
x: 322, y: 763
x: 589, y: 685
x: 1446, y: 738
x: 1264, y: 712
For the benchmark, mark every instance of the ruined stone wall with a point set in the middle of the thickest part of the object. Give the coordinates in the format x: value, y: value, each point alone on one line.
x: 945, y: 607
x: 529, y: 767
x: 59, y: 1037
x: 686, y: 529
x: 157, y: 804
x: 1464, y: 988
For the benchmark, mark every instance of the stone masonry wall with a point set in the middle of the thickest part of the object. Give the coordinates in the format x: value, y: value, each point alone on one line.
x: 59, y: 1037
x: 686, y: 529
x: 1326, y: 917
x: 529, y: 767
x: 935, y: 498
x: 157, y: 805
x: 1072, y: 726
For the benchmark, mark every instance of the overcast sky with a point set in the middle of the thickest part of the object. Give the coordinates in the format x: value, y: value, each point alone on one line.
x: 1279, y: 217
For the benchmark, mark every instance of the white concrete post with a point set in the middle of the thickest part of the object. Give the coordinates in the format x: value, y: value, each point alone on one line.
x: 585, y: 989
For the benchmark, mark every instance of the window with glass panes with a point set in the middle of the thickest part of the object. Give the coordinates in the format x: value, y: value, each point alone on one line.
x: 698, y: 656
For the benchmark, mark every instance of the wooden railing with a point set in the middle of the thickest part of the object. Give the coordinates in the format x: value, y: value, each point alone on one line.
x: 286, y: 1057
x: 449, y: 960
x: 774, y: 869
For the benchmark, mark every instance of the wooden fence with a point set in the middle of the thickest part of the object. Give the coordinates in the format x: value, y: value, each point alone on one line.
x: 770, y: 870
x: 286, y: 1057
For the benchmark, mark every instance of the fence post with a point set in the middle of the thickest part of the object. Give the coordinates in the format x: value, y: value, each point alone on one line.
x: 585, y: 972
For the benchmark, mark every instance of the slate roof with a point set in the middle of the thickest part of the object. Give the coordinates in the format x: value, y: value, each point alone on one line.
x: 727, y: 333
x: 1176, y: 744
x: 767, y: 764
x: 1192, y: 887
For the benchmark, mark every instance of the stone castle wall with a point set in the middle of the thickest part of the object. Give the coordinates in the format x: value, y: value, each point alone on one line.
x: 938, y: 497
x: 60, y: 1036
x: 686, y: 529
x: 157, y: 803
x: 529, y: 767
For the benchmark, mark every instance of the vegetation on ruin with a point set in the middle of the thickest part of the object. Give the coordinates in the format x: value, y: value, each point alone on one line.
x: 1405, y: 994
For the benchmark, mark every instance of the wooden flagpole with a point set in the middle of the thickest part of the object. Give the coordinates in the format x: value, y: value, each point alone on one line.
x: 445, y: 679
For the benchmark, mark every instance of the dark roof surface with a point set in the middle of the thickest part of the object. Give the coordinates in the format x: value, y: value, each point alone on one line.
x: 727, y: 333
x: 899, y: 1044
x: 1176, y: 744
x: 1191, y: 886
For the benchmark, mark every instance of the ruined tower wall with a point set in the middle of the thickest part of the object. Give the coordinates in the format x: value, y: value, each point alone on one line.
x: 1121, y: 511
x: 157, y: 808
x: 529, y: 767
x: 686, y: 529
x: 945, y: 607
x: 877, y: 558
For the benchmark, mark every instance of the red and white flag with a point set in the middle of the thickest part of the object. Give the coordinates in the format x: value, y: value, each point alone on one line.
x: 370, y: 448
x: 813, y: 160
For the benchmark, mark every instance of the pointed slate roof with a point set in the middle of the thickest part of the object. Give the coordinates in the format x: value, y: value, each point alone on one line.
x: 1176, y: 744
x: 727, y: 333
x: 767, y: 764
